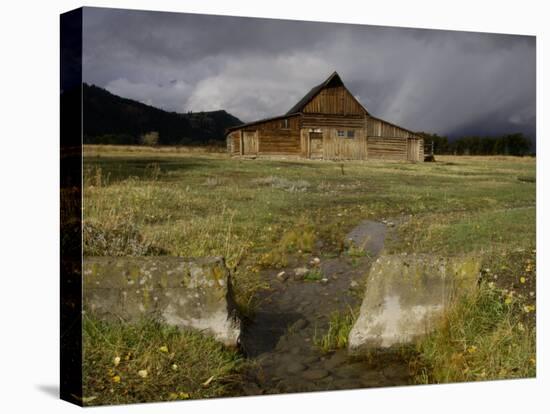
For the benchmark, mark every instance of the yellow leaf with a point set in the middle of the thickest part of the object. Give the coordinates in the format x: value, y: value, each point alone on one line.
x: 208, y: 381
x: 184, y: 395
x: 528, y: 308
x: 142, y: 373
x: 508, y: 300
x: 163, y: 348
x: 86, y: 400
x: 116, y: 379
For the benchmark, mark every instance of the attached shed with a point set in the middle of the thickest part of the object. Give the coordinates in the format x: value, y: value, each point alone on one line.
x: 327, y: 123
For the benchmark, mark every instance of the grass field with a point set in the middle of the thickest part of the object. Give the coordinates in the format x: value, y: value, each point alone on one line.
x: 258, y: 212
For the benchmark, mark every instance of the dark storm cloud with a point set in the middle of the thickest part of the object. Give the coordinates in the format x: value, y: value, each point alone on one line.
x: 440, y: 81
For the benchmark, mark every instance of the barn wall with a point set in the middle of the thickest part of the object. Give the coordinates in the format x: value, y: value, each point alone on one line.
x: 386, y: 141
x: 379, y: 128
x: 331, y: 120
x: 335, y: 100
x: 374, y: 138
x: 335, y: 147
x: 342, y: 148
x: 387, y: 148
x: 277, y: 140
x: 234, y: 143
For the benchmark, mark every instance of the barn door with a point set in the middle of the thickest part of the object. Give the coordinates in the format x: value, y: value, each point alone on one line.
x: 413, y: 149
x: 250, y: 143
x: 315, y: 145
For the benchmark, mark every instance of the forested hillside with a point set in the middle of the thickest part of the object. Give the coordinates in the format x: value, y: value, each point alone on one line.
x: 111, y: 119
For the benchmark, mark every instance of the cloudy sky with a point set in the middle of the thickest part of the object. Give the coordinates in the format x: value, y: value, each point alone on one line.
x: 426, y: 80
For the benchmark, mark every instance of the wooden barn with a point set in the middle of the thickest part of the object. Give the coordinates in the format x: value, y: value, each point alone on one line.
x: 327, y: 123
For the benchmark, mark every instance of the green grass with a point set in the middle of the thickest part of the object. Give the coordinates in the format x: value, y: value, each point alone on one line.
x: 354, y: 251
x: 260, y: 213
x: 336, y: 336
x: 313, y: 275
x: 474, y: 231
x: 482, y: 337
x: 173, y: 364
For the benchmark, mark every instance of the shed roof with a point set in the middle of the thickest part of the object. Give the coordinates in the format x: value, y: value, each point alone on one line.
x: 259, y: 121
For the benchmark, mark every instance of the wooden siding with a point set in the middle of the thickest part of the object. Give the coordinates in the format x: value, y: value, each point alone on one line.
x: 322, y: 120
x: 234, y: 143
x: 334, y: 147
x: 335, y: 100
x: 250, y: 143
x: 274, y: 139
x: 343, y: 148
x: 387, y: 148
x: 379, y: 128
x: 389, y: 142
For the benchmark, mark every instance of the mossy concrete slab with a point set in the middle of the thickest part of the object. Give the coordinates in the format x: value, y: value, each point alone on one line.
x: 405, y: 296
x: 188, y: 293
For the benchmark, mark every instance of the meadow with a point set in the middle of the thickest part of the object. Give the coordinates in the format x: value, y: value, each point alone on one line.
x: 259, y: 213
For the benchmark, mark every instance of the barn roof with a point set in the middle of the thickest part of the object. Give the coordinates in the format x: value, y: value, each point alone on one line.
x: 332, y: 81
x: 259, y: 121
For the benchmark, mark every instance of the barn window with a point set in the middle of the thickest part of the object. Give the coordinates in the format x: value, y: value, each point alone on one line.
x: 351, y: 133
x: 341, y: 133
x: 285, y: 124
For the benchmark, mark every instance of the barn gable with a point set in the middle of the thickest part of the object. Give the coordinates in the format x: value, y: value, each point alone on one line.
x: 330, y: 96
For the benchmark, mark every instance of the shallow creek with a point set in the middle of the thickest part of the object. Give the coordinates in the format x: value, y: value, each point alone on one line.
x: 293, y: 312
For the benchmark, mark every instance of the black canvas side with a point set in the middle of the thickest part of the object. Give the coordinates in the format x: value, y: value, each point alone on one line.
x: 71, y: 207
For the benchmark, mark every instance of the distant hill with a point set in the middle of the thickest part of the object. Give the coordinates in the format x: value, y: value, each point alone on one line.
x: 111, y: 119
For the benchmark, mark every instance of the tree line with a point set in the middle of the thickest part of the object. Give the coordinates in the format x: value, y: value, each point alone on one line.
x: 508, y: 144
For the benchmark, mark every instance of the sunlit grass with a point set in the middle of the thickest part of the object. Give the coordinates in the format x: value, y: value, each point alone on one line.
x: 482, y: 337
x: 336, y: 336
x: 147, y: 361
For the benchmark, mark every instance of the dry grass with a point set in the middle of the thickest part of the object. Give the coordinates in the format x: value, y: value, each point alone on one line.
x: 258, y: 212
x: 137, y: 150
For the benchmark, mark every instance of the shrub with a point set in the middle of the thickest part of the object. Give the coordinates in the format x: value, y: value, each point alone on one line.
x: 150, y: 139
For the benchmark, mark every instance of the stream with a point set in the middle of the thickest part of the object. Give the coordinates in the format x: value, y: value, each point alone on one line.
x: 280, y: 340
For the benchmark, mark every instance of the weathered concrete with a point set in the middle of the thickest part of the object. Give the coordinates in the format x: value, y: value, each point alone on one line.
x: 405, y: 296
x: 188, y: 293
